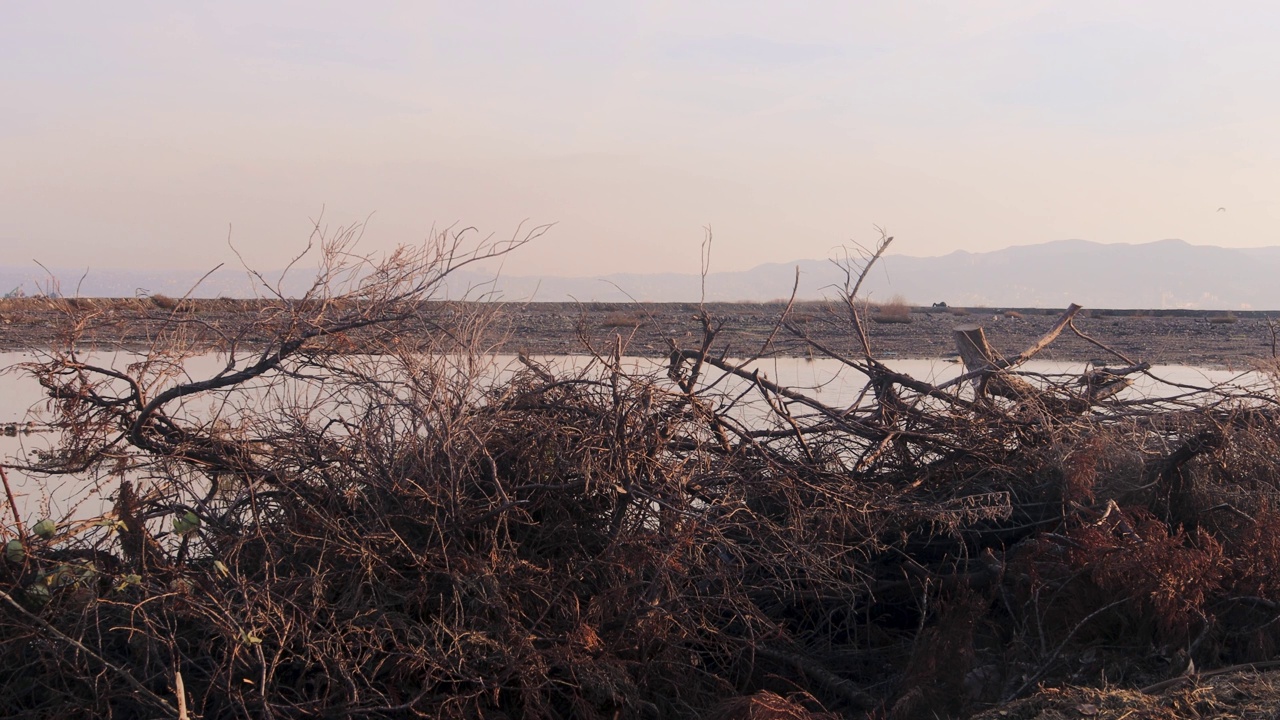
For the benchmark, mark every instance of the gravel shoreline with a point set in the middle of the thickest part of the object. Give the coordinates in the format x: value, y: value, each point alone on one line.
x: 1206, y: 339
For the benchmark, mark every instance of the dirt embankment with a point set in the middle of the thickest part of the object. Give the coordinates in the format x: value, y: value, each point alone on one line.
x: 1208, y: 338
x: 1242, y: 694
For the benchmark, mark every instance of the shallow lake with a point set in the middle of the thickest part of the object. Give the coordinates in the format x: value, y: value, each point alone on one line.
x: 828, y: 381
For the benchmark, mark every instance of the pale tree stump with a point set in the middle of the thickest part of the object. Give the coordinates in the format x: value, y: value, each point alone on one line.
x: 978, y: 356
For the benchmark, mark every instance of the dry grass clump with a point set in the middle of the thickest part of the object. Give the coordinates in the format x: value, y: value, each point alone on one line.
x: 1227, y: 318
x: 31, y: 303
x: 957, y: 311
x: 623, y: 319
x: 896, y: 310
x: 164, y: 302
x: 182, y: 305
x: 1013, y: 315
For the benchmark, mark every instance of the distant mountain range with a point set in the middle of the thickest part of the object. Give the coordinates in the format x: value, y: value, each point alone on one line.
x: 1164, y: 274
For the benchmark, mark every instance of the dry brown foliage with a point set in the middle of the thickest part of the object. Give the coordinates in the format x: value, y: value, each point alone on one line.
x: 343, y: 523
x: 896, y: 310
x: 1244, y: 694
x: 623, y: 319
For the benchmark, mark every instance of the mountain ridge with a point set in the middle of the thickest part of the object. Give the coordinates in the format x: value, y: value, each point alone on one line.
x: 1169, y: 273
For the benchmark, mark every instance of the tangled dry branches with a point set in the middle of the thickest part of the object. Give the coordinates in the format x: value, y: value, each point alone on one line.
x: 338, y: 522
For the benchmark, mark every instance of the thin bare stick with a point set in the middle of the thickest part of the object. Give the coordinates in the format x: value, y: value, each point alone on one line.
x: 795, y: 288
x: 13, y: 506
x: 1101, y: 346
x: 849, y: 292
x: 1053, y: 333
x: 706, y: 265
x: 181, y: 692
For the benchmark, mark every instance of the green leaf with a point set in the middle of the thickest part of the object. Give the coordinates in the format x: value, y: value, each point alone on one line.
x: 186, y: 524
x: 45, y: 528
x: 61, y: 575
x: 114, y: 525
x: 128, y: 580
x: 38, y: 592
x: 14, y: 552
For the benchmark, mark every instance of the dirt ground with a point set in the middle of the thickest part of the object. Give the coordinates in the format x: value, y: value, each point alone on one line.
x: 1242, y: 695
x: 1196, y: 338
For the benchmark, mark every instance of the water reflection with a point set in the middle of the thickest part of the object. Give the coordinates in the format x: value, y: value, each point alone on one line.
x: 830, y: 382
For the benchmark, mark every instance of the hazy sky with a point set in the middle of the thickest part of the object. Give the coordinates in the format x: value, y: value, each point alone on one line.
x: 137, y: 133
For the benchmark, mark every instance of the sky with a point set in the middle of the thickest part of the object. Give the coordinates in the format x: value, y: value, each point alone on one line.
x: 157, y: 134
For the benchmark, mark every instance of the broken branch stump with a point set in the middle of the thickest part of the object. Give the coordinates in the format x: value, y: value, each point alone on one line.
x: 978, y: 356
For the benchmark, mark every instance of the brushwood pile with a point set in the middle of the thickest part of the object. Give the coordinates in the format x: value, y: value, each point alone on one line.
x: 336, y: 521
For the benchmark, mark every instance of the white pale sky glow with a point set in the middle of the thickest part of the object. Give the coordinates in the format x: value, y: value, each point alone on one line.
x: 137, y: 133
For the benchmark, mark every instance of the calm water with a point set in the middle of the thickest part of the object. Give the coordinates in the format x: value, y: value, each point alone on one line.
x: 830, y: 382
